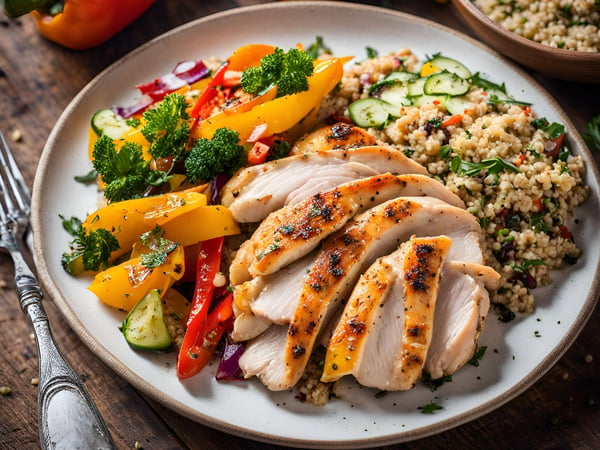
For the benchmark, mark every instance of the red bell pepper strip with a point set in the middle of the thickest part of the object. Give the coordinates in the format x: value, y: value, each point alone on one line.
x: 209, y: 92
x: 208, y: 265
x: 206, y: 342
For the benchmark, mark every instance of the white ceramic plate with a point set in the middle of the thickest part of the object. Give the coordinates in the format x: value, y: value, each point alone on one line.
x: 516, y: 357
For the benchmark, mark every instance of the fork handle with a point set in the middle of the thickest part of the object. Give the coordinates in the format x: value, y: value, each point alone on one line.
x: 68, y: 417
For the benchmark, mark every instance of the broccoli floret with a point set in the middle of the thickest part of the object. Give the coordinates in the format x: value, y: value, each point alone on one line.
x: 90, y: 250
x: 210, y: 157
x: 125, y: 172
x: 167, y: 128
x: 289, y: 71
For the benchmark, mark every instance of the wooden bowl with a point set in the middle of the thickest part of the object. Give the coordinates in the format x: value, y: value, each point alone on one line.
x: 558, y: 63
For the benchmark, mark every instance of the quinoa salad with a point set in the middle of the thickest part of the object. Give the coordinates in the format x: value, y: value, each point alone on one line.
x: 525, y: 212
x: 571, y: 25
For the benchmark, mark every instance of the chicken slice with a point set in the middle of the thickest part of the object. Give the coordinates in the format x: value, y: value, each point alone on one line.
x: 255, y: 191
x: 263, y: 357
x: 293, y: 231
x: 389, y: 317
x: 268, y: 299
x: 337, y: 136
x: 347, y: 253
x: 460, y: 314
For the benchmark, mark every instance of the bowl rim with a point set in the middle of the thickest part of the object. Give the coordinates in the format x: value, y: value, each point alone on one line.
x: 484, y: 19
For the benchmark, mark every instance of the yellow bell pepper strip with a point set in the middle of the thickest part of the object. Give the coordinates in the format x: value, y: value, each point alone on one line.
x: 201, y: 224
x: 84, y: 24
x: 129, y: 219
x: 208, y: 265
x: 124, y: 285
x: 248, y: 56
x: 279, y: 114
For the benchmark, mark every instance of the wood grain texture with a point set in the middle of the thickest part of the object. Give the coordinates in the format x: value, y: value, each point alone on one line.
x: 37, y: 81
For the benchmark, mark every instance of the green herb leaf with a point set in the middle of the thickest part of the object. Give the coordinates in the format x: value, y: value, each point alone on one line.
x: 478, y: 355
x: 430, y: 408
x: 526, y: 264
x: 492, y: 166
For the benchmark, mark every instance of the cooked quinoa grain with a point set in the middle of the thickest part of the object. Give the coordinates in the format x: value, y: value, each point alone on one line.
x: 525, y: 213
x: 568, y: 24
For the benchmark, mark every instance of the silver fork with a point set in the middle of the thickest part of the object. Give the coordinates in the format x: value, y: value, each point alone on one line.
x: 68, y: 418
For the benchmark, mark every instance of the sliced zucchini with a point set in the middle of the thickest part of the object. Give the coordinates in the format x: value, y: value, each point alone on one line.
x: 451, y: 65
x: 107, y: 122
x: 396, y: 94
x: 458, y: 105
x: 446, y: 83
x: 370, y: 112
x: 402, y: 76
x: 144, y: 327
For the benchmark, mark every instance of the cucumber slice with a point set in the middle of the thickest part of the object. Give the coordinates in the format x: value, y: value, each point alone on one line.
x: 447, y: 83
x: 421, y: 100
x: 144, y: 327
x: 396, y: 94
x: 451, y: 65
x: 402, y: 76
x: 458, y: 105
x: 370, y: 112
x: 415, y: 87
x: 107, y: 122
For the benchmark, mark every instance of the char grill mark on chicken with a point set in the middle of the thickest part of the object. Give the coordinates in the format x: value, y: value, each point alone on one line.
x: 255, y: 191
x: 293, y: 231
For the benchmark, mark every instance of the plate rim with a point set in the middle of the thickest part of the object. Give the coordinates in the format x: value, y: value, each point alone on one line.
x: 126, y: 373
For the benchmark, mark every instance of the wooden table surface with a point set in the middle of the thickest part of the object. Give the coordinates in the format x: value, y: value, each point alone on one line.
x: 39, y: 78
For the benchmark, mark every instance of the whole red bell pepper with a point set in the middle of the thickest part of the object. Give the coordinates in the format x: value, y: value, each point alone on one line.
x: 204, y: 330
x: 79, y: 24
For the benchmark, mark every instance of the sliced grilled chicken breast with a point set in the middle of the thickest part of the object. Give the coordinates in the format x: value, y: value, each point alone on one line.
x: 460, y: 314
x: 347, y: 253
x: 293, y: 231
x: 255, y: 191
x: 263, y: 358
x: 385, y: 330
x: 333, y: 137
x: 269, y: 299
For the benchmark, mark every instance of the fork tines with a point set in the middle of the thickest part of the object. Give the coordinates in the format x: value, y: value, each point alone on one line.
x: 15, y: 194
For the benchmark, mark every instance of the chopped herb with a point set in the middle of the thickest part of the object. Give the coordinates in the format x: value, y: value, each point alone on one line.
x: 434, y: 384
x: 445, y: 151
x: 504, y: 314
x: 89, y: 177
x: 536, y: 333
x: 526, y: 264
x: 371, y: 52
x: 133, y: 122
x: 492, y: 166
x: 487, y: 85
x: 159, y: 246
x: 430, y: 408
x: 436, y: 122
x: 380, y: 394
x: 478, y: 355
x: 318, y: 48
